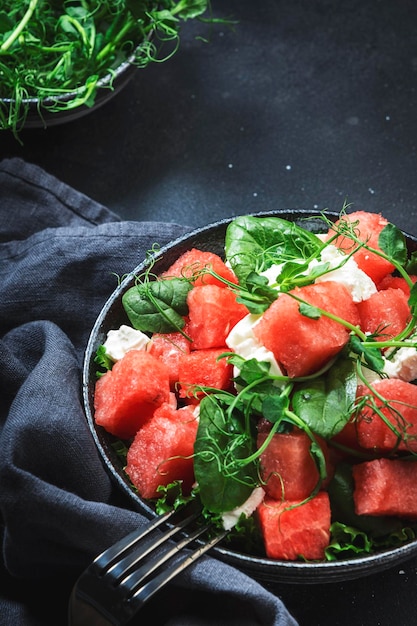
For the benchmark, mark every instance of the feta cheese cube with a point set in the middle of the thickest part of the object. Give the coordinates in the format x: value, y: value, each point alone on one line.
x: 244, y: 343
x: 122, y: 340
x: 348, y: 273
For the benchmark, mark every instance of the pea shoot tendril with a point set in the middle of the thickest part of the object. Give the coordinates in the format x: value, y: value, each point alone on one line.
x: 50, y: 48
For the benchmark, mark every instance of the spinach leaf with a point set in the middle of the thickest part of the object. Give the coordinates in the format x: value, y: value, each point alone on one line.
x: 325, y: 403
x: 254, y: 244
x: 157, y: 306
x: 411, y: 265
x: 221, y: 448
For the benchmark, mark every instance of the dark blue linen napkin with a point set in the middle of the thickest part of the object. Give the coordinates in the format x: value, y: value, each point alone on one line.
x: 60, y: 253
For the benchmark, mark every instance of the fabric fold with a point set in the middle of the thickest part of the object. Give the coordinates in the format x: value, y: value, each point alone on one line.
x: 60, y: 258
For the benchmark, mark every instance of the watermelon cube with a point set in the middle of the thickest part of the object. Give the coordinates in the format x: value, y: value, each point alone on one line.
x: 397, y: 402
x: 385, y: 313
x: 293, y: 530
x: 192, y: 264
x: 169, y: 348
x: 396, y: 282
x: 203, y: 368
x: 367, y: 227
x: 287, y: 467
x: 301, y: 344
x: 213, y: 311
x: 127, y: 395
x: 386, y: 487
x: 162, y: 451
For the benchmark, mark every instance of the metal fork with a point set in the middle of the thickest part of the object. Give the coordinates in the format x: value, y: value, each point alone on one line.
x: 125, y: 576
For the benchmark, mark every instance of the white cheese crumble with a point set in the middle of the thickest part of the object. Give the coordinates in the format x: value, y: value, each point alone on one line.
x: 244, y: 343
x: 343, y: 271
x: 355, y: 280
x: 403, y: 365
x: 120, y: 341
x: 272, y: 273
x: 231, y: 518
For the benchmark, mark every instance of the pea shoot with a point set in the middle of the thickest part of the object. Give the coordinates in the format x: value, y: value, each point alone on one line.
x: 49, y: 48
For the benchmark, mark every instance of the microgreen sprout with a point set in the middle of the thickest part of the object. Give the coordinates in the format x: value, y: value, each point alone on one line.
x: 49, y: 49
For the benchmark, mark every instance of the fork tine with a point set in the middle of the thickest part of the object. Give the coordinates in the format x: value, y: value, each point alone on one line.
x: 121, y: 568
x: 145, y: 592
x: 124, y: 577
x: 139, y: 575
x: 107, y: 558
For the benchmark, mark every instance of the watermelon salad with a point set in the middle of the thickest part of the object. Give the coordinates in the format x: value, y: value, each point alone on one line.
x: 276, y: 385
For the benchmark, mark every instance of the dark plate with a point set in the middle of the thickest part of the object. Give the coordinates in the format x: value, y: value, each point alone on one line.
x: 211, y: 238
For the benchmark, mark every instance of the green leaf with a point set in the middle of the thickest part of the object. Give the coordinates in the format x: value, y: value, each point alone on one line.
x: 6, y: 23
x: 251, y: 370
x: 372, y: 356
x: 347, y: 539
x: 254, y: 244
x: 258, y: 295
x: 157, y: 306
x: 308, y: 310
x: 297, y: 273
x: 102, y: 359
x: 275, y: 405
x: 325, y: 403
x: 411, y: 265
x: 222, y: 442
x: 392, y: 242
x: 171, y: 497
x: 190, y: 9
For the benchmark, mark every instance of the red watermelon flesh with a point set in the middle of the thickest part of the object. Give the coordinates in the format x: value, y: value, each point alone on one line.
x: 169, y: 348
x: 291, y: 529
x: 203, y: 368
x: 399, y: 406
x: 213, y: 311
x: 368, y: 227
x: 386, y: 487
x: 162, y: 451
x: 287, y: 466
x: 127, y: 395
x: 301, y: 344
x: 396, y: 282
x: 385, y: 313
x: 194, y: 261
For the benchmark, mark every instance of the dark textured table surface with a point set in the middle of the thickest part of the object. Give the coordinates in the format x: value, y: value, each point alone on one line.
x: 305, y: 104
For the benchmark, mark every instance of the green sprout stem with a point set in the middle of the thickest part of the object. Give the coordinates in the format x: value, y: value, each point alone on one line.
x: 14, y: 35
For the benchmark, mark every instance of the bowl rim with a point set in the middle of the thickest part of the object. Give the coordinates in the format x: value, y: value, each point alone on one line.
x: 106, y: 81
x: 262, y: 568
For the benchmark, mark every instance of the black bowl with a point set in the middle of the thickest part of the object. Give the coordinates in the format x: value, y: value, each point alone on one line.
x: 40, y: 115
x: 211, y: 238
